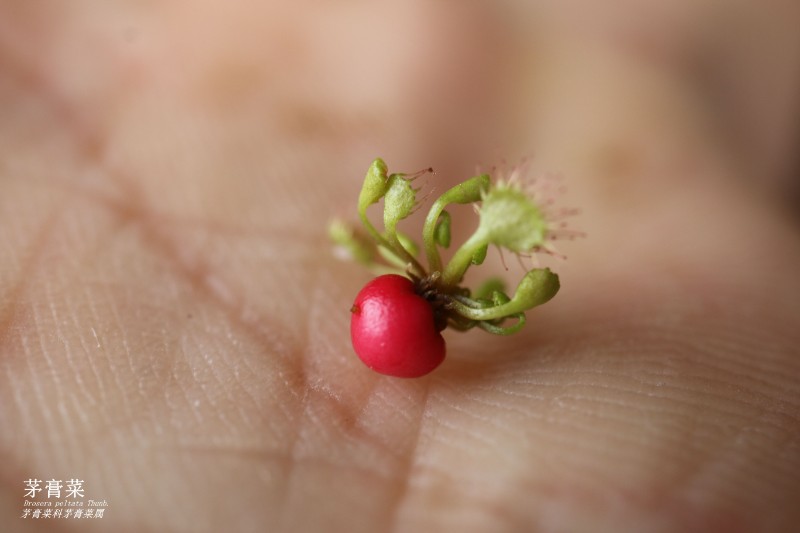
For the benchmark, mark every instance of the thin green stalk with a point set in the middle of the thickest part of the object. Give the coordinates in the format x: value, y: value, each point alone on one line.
x: 392, y: 243
x: 372, y: 231
x: 397, y: 246
x: 536, y: 288
x: 428, y: 240
x: 461, y: 261
x: 504, y: 330
x: 490, y: 313
x: 464, y: 193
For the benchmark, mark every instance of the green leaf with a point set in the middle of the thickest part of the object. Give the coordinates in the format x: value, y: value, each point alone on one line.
x: 497, y: 329
x: 442, y: 231
x: 537, y: 287
x: 489, y: 287
x: 500, y: 298
x: 399, y: 201
x: 466, y: 192
x: 375, y: 185
x: 480, y: 255
x: 408, y: 243
x: 510, y: 219
x: 356, y: 245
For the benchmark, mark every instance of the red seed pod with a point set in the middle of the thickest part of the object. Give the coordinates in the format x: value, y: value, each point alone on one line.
x: 393, y: 329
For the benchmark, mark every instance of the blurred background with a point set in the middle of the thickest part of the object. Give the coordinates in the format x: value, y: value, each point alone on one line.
x: 240, y: 90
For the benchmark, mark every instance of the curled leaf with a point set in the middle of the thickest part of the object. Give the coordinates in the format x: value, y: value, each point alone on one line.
x: 442, y: 231
x: 399, y: 201
x: 489, y: 287
x: 375, y: 185
x: 355, y: 245
x: 480, y: 255
x: 466, y: 192
x: 537, y: 287
x: 500, y: 298
x: 498, y: 329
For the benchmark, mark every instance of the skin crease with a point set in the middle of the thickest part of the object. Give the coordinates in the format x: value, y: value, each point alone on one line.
x: 174, y: 331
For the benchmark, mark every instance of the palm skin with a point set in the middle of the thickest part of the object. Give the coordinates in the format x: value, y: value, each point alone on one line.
x: 174, y: 330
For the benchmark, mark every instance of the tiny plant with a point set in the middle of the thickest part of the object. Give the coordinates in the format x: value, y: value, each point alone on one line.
x: 398, y: 317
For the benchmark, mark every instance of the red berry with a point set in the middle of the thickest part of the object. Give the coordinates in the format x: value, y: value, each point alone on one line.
x: 393, y: 329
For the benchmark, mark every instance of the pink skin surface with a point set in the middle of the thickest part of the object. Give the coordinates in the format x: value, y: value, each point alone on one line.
x: 174, y: 330
x: 393, y: 329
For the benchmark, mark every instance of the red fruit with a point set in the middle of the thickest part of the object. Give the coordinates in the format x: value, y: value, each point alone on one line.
x: 393, y: 329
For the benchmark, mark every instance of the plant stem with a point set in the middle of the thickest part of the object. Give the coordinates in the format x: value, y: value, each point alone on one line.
x: 428, y: 240
x: 507, y: 330
x: 392, y: 243
x: 537, y: 287
x: 466, y: 192
x: 397, y: 246
x: 461, y: 261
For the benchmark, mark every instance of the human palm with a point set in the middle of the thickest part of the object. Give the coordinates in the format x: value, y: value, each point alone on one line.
x: 174, y: 328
